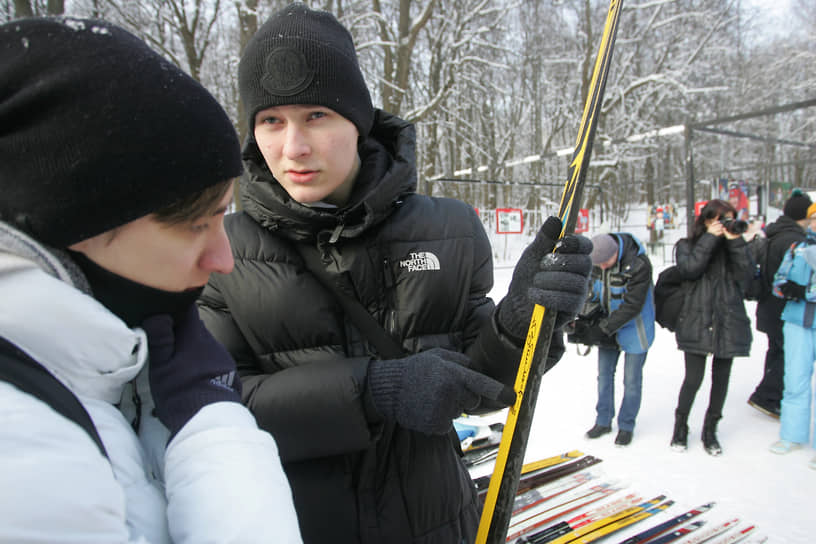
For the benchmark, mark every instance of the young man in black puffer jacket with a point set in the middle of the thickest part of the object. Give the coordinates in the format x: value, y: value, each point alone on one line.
x: 365, y: 437
x: 786, y: 231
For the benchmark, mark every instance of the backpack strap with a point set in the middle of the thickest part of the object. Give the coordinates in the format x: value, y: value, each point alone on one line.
x: 385, y: 345
x: 29, y: 376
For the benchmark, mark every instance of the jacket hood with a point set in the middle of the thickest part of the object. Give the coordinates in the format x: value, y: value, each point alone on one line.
x: 387, y: 172
x: 64, y: 329
x: 784, y: 223
x: 54, y: 262
x: 628, y: 245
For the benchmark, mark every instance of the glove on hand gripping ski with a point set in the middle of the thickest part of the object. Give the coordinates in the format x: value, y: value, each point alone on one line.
x: 189, y: 369
x: 426, y: 391
x: 558, y: 281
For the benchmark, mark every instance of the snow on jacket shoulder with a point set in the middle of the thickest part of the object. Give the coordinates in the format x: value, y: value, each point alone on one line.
x: 59, y: 487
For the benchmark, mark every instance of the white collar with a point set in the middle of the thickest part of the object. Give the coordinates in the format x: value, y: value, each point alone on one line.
x: 82, y: 343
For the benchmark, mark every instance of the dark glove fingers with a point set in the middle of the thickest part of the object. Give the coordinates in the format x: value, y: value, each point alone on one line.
x: 564, y: 302
x: 487, y: 387
x: 161, y: 338
x: 468, y: 401
x: 452, y: 356
x: 574, y: 243
x: 543, y: 244
x: 506, y: 396
x: 559, y: 301
x: 188, y: 328
x: 574, y: 286
x: 566, y: 262
x: 551, y: 228
x: 545, y: 239
x: 793, y: 290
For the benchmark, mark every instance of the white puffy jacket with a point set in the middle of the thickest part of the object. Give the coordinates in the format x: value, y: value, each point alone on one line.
x: 219, y: 480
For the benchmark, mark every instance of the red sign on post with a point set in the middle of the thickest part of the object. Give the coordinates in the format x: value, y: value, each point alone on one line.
x: 509, y: 221
x: 582, y: 223
x: 698, y: 207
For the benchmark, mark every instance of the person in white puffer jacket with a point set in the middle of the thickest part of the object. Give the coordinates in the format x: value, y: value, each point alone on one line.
x: 116, y: 170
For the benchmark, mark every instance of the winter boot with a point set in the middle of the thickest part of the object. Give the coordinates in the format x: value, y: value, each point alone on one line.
x: 710, y: 443
x: 679, y: 440
x: 598, y: 431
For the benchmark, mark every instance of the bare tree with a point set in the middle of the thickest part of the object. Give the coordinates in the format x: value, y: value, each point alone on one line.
x: 29, y: 8
x: 180, y: 29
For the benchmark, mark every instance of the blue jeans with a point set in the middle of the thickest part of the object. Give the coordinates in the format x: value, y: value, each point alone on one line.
x: 632, y: 381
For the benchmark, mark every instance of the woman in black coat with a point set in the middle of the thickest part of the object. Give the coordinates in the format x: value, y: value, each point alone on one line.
x: 714, y: 261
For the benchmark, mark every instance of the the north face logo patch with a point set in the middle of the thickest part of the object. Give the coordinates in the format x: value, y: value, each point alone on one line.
x: 422, y: 260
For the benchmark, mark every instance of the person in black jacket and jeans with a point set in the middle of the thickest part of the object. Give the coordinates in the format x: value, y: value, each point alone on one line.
x: 366, y: 437
x: 789, y: 229
x: 713, y: 318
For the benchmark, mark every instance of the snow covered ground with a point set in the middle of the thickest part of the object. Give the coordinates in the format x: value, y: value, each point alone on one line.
x: 775, y: 493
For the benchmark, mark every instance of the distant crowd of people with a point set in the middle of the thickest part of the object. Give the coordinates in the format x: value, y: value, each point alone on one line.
x: 716, y: 265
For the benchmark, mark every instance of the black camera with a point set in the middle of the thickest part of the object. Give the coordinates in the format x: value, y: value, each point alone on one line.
x: 734, y: 226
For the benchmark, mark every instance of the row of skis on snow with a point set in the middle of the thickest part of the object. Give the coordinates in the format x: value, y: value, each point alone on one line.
x: 564, y: 500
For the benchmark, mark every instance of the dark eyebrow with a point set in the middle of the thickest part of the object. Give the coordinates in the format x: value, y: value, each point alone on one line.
x: 221, y: 209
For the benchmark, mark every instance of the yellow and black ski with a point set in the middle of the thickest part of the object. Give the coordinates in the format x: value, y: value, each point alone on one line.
x: 609, y: 524
x: 498, y: 504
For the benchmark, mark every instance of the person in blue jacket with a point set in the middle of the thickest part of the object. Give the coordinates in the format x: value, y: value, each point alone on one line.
x: 794, y: 281
x: 622, y: 284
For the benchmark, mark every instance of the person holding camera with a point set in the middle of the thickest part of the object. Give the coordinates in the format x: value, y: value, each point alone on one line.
x: 623, y: 292
x: 714, y: 261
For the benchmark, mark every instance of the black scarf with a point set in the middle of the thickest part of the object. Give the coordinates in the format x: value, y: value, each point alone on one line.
x: 129, y: 300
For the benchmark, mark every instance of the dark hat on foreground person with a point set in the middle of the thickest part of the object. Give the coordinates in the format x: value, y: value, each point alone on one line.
x: 603, y: 248
x: 796, y: 207
x: 97, y: 129
x: 304, y: 56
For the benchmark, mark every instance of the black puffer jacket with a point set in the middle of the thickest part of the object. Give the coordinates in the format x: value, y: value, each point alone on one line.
x: 713, y: 319
x: 782, y: 234
x: 422, y: 267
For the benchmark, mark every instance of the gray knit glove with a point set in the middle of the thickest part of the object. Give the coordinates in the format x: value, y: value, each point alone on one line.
x: 556, y: 280
x: 426, y: 391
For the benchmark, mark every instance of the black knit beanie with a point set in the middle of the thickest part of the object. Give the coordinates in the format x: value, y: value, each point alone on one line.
x: 304, y: 56
x: 796, y: 206
x: 97, y: 129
